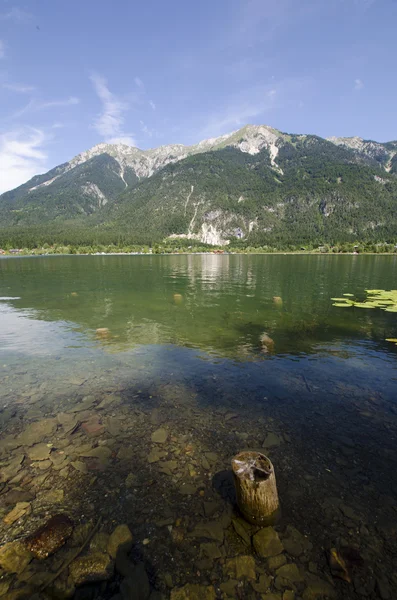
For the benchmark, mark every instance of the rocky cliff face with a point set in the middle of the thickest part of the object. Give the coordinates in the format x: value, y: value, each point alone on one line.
x: 382, y: 153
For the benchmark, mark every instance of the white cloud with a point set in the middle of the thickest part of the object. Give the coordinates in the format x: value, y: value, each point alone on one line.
x: 71, y: 101
x: 358, y: 84
x: 109, y: 124
x: 2, y: 49
x: 139, y: 82
x: 245, y: 106
x: 17, y: 15
x: 19, y: 88
x: 152, y: 104
x: 33, y: 106
x: 145, y: 129
x: 126, y: 139
x: 22, y: 156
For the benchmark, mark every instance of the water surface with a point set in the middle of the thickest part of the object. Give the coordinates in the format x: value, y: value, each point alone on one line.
x: 181, y: 347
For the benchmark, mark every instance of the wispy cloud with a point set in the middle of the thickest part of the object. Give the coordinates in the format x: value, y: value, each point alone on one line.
x: 17, y: 15
x: 35, y: 105
x: 139, y: 82
x: 71, y: 101
x: 152, y: 104
x: 110, y: 122
x: 2, y: 49
x: 18, y: 88
x: 22, y: 155
x: 147, y: 131
x: 248, y: 104
x: 358, y: 84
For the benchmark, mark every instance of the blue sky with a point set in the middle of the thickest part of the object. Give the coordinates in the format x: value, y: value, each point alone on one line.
x: 76, y: 73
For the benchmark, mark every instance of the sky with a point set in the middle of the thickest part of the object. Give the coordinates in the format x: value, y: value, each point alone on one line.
x: 77, y: 73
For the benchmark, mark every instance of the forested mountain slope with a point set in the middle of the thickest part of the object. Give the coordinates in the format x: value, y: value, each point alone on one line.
x: 256, y: 184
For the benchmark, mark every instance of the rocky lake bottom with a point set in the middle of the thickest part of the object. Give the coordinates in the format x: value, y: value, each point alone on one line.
x: 134, y: 461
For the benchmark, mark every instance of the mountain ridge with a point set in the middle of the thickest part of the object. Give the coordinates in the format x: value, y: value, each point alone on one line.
x: 254, y: 183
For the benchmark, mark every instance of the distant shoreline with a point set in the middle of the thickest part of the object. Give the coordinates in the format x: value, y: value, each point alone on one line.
x: 30, y: 254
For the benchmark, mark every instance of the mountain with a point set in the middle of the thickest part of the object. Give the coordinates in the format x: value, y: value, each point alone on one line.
x: 256, y: 184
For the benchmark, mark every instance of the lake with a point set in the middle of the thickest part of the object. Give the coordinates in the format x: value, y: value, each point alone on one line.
x: 128, y: 383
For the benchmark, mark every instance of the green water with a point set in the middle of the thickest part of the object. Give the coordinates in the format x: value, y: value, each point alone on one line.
x: 221, y: 351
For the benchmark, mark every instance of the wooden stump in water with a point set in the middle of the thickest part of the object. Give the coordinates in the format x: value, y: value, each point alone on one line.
x: 256, y: 488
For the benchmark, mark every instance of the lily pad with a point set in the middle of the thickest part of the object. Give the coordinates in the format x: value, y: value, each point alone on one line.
x: 341, y: 305
x: 383, y: 299
x: 364, y: 305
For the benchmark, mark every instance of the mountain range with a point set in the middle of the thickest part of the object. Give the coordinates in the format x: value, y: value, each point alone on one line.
x: 257, y: 185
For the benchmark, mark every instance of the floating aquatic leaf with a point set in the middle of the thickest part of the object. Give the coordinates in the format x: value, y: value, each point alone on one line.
x: 342, y: 305
x: 391, y: 340
x: 364, y: 305
x: 383, y: 299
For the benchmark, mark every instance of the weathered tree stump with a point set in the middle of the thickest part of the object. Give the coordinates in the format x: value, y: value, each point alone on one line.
x: 256, y: 488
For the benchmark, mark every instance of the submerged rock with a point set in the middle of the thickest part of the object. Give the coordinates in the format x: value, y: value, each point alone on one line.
x: 13, y: 467
x: 275, y: 562
x: 99, y: 542
x: 212, y: 530
x: 228, y: 587
x: 79, y: 466
x: 36, y: 432
x: 267, y: 543
x: 155, y: 455
x: 193, y: 591
x: 39, y: 452
x: 319, y: 589
x: 120, y: 539
x: 295, y: 543
x: 103, y: 333
x: 14, y: 557
x: 93, y: 567
x: 48, y: 538
x: 93, y: 427
x: 241, y: 567
x: 17, y: 495
x: 210, y: 550
x: 267, y: 342
x: 290, y: 573
x: 263, y: 584
x: 19, y: 510
x: 160, y: 436
x: 271, y: 441
x: 242, y: 530
x: 103, y: 453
